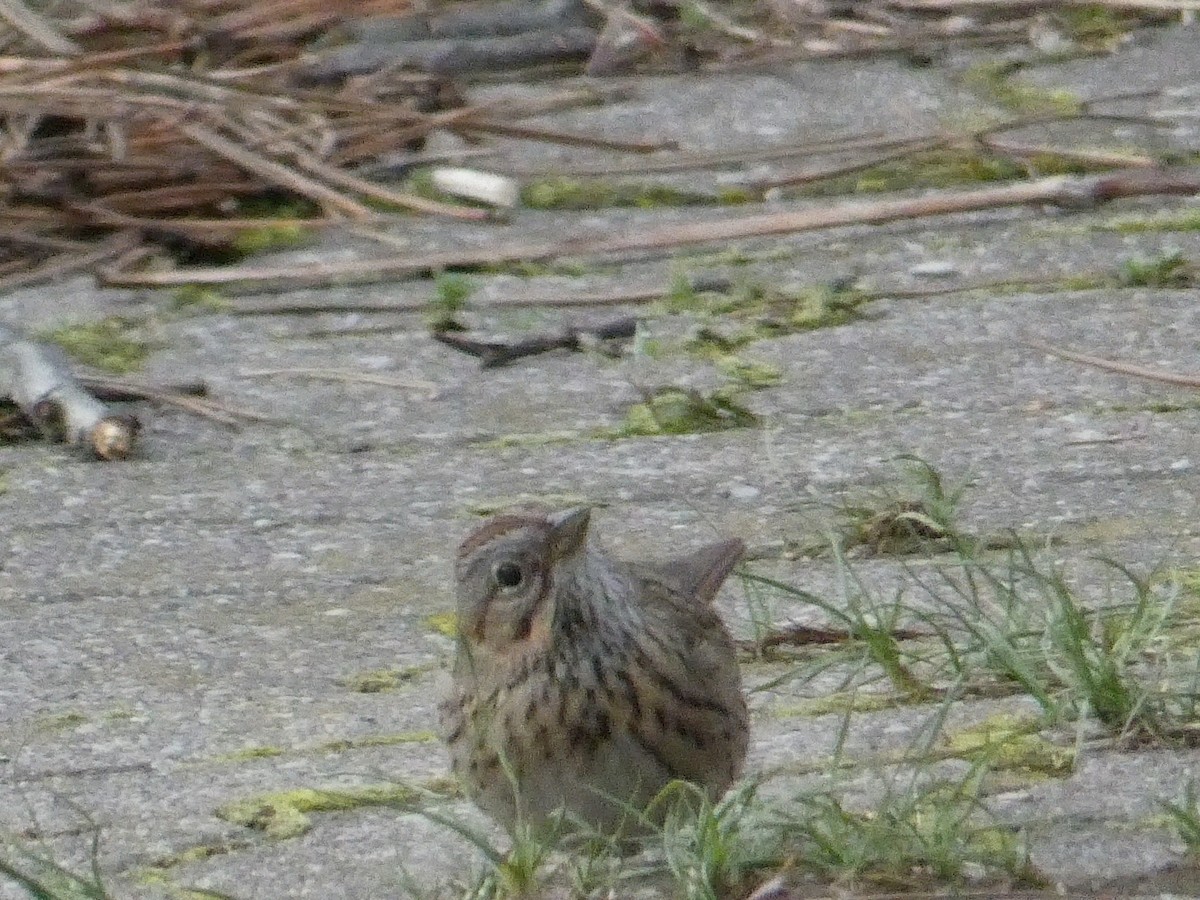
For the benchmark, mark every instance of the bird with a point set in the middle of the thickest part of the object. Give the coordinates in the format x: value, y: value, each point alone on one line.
x: 583, y: 685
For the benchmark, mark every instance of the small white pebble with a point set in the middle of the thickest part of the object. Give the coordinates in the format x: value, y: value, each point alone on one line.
x: 935, y: 268
x: 743, y: 492
x: 376, y: 362
x: 486, y: 187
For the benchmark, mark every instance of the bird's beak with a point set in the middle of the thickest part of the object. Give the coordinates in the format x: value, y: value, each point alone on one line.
x: 568, y: 530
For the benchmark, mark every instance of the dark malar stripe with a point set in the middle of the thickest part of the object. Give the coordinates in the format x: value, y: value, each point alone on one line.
x: 525, y: 624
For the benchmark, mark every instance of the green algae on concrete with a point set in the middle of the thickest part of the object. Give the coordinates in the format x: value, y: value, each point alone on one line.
x: 595, y: 193
x: 251, y: 753
x: 376, y: 740
x: 993, y: 80
x: 153, y: 874
x: 1012, y: 742
x: 530, y: 439
x: 754, y: 374
x: 61, y: 722
x: 1178, y: 220
x: 451, y: 292
x: 340, y: 745
x: 285, y: 814
x: 445, y: 623
x: 840, y: 702
x: 1167, y: 270
x: 676, y: 410
x: 115, y: 344
x: 275, y: 235
x: 376, y: 681
x: 199, y: 298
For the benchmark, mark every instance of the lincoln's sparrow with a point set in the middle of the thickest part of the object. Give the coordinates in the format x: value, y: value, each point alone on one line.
x: 585, y: 683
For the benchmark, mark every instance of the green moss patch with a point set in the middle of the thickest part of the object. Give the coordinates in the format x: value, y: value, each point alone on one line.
x: 530, y: 439
x: 199, y: 853
x: 376, y: 740
x: 445, y: 623
x: 840, y: 702
x: 285, y: 814
x: 277, y: 235
x: 199, y: 298
x: 1012, y: 742
x: 676, y: 410
x: 749, y: 373
x: 1180, y: 220
x: 61, y: 722
x: 451, y: 291
x: 595, y: 193
x: 994, y: 80
x: 249, y: 753
x: 337, y: 746
x: 115, y: 344
x: 766, y: 312
x: 378, y: 681
x: 1167, y: 270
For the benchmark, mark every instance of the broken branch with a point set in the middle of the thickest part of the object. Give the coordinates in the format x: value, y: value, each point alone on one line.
x: 1122, y: 368
x: 1077, y: 192
x: 39, y: 382
x: 500, y: 353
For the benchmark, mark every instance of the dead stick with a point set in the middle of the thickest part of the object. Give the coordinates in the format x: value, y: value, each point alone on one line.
x: 65, y: 263
x: 792, y: 179
x: 272, y: 171
x: 805, y: 635
x: 34, y: 27
x: 1065, y: 191
x: 387, y: 195
x: 959, y: 5
x: 1122, y: 368
x: 680, y: 162
x: 570, y: 139
x: 197, y: 405
x: 258, y: 307
x: 117, y: 391
x: 1106, y: 158
x: 346, y: 376
x: 492, y: 354
x: 37, y: 378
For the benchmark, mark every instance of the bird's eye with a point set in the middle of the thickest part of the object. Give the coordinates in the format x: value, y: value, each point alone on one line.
x: 508, y: 575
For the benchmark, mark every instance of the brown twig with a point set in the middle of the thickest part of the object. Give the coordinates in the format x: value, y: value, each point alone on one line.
x: 804, y: 635
x: 273, y: 171
x: 680, y: 162
x: 34, y: 27
x: 1069, y: 192
x: 347, y: 376
x: 500, y: 353
x: 72, y: 261
x: 118, y: 391
x: 1100, y: 158
x: 905, y: 150
x: 1122, y: 368
x: 258, y: 306
x: 959, y: 5
x: 566, y: 138
x: 202, y: 406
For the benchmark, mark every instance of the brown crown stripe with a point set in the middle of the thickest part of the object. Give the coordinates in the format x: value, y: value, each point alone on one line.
x: 493, y: 528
